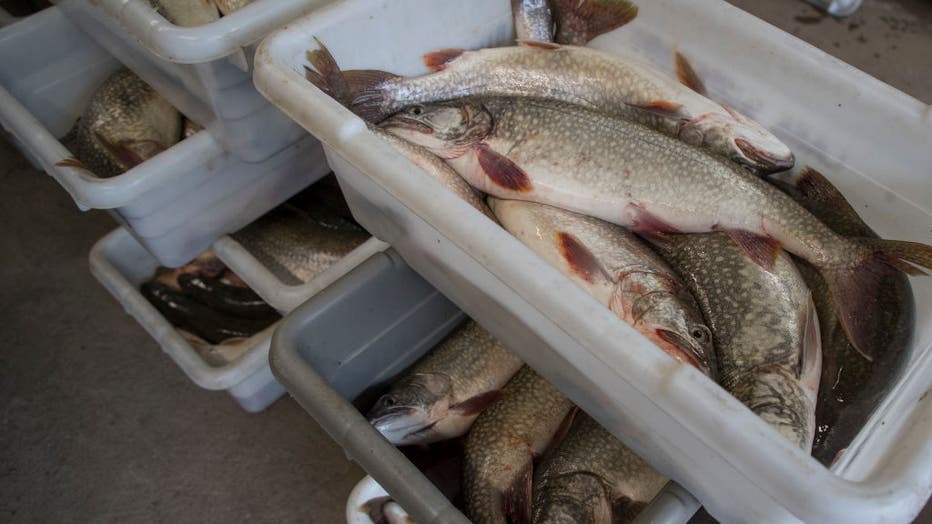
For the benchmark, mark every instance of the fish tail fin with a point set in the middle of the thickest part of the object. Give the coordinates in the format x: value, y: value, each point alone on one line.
x: 328, y: 77
x: 578, y: 22
x: 855, y: 285
x: 366, y: 94
x: 356, y: 89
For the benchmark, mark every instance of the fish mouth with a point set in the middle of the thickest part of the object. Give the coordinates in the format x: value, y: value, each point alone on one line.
x: 401, y: 122
x: 679, y: 348
x: 402, y: 423
x: 762, y: 160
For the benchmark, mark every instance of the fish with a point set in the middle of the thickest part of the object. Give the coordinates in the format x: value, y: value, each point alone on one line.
x: 620, y: 271
x: 190, y: 128
x: 628, y: 174
x: 205, y: 264
x: 125, y: 123
x: 501, y: 446
x: 384, y: 510
x: 297, y: 242
x: 765, y: 325
x: 187, y: 13
x: 615, y: 85
x: 532, y: 20
x: 579, y: 21
x: 228, y: 6
x: 441, y: 396
x: 851, y: 387
x: 224, y: 297
x: 593, y: 478
x: 203, y: 321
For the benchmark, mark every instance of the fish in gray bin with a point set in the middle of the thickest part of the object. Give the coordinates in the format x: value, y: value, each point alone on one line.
x: 296, y: 243
x: 441, y: 395
x: 591, y: 477
x: 619, y: 271
x: 532, y: 20
x: 765, y: 326
x: 852, y: 386
x: 614, y: 85
x: 502, y: 444
x: 126, y: 123
x: 228, y: 6
x: 579, y: 21
x: 631, y: 175
x: 187, y: 13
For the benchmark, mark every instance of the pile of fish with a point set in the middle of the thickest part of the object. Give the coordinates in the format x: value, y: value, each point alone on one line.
x: 301, y: 238
x: 193, y: 13
x: 210, y: 304
x: 667, y: 208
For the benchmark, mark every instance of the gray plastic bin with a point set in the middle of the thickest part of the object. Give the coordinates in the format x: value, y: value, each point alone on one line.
x: 396, y: 317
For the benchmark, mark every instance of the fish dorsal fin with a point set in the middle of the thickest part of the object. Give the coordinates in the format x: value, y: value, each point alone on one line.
x: 502, y: 171
x: 549, y: 46
x: 580, y: 260
x: 810, y: 357
x: 687, y: 75
x: 440, y: 59
x: 477, y: 404
x: 762, y: 250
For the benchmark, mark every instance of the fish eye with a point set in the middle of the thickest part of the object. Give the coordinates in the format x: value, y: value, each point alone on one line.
x: 388, y: 400
x: 416, y: 110
x: 701, y: 333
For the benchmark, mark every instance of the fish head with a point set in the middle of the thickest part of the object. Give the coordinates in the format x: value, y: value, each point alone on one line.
x: 779, y: 398
x: 446, y: 129
x: 412, y: 407
x: 746, y: 141
x: 674, y: 324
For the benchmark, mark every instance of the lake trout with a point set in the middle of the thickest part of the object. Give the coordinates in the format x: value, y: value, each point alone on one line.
x: 532, y: 20
x: 616, y: 268
x: 592, y: 478
x: 441, y: 396
x: 615, y: 85
x: 500, y: 448
x: 579, y: 21
x: 630, y: 175
x: 765, y: 327
x: 852, y: 386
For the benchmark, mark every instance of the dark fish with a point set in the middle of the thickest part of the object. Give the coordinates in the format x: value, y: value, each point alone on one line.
x: 852, y: 386
x: 234, y: 300
x: 592, y: 478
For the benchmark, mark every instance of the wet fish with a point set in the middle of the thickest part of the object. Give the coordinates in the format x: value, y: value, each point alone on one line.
x: 532, y: 20
x: 579, y: 21
x: 851, y: 386
x: 297, y: 244
x: 441, y: 396
x: 502, y: 443
x: 228, y: 6
x: 765, y: 327
x: 628, y: 174
x: 619, y: 270
x: 125, y: 123
x: 615, y: 85
x: 187, y: 13
x: 591, y: 477
x: 205, y: 264
x: 226, y: 298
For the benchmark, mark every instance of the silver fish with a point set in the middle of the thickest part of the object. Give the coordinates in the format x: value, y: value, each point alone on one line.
x: 765, y: 327
x: 592, y: 478
x: 532, y: 20
x: 615, y: 85
x: 441, y: 396
x: 628, y: 174
x: 126, y: 123
x: 617, y: 269
x: 497, y: 467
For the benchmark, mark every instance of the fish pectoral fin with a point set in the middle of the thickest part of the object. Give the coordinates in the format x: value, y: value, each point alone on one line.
x: 440, y: 59
x: 477, y: 404
x: 762, y: 250
x: 516, y: 499
x: 131, y: 153
x: 581, y: 261
x: 501, y: 170
x: 810, y: 358
x: 661, y: 108
x: 591, y: 18
x: 687, y: 75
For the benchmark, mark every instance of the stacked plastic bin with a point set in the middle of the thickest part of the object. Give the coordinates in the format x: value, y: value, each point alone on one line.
x: 685, y: 425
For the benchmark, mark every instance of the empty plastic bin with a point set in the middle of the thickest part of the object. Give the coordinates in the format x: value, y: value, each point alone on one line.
x: 204, y: 71
x: 871, y: 140
x: 176, y: 203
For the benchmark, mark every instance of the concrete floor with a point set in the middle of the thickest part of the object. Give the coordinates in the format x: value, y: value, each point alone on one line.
x: 96, y: 424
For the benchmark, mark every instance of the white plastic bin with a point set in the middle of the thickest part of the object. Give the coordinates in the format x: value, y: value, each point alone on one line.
x: 204, y: 71
x: 872, y: 141
x: 121, y: 264
x: 176, y: 203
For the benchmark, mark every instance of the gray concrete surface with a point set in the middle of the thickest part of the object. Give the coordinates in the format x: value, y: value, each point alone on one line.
x: 96, y: 424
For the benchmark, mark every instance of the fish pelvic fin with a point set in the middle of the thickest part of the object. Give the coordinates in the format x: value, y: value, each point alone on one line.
x: 855, y: 286
x: 762, y: 250
x: 516, y: 499
x: 687, y: 75
x: 578, y: 22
